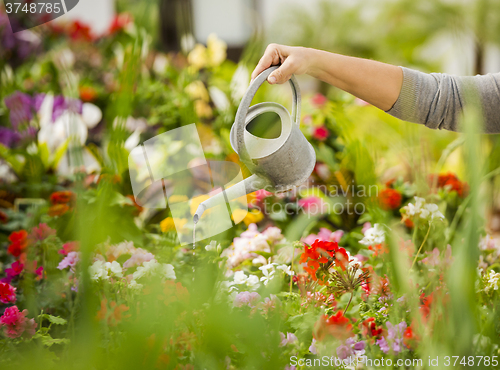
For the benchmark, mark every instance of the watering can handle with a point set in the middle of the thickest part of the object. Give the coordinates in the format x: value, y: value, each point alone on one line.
x: 245, y: 105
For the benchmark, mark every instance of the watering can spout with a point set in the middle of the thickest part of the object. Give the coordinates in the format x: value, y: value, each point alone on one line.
x: 247, y: 186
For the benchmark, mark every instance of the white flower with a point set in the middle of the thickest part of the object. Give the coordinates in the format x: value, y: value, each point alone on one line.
x: 114, y: 268
x: 253, y: 282
x: 374, y: 235
x: 212, y: 247
x: 240, y: 277
x: 433, y: 211
x: 219, y: 98
x: 286, y: 269
x: 268, y: 272
x: 91, y: 115
x: 239, y: 82
x: 134, y: 285
x: 492, y: 282
x: 98, y: 271
x: 424, y: 210
x: 168, y: 271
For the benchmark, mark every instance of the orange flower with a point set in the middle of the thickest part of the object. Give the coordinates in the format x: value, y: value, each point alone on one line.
x: 58, y: 210
x: 337, y: 326
x: 390, y: 199
x: 87, y: 93
x: 113, y: 316
x: 323, y: 252
x: 378, y: 249
x: 62, y: 197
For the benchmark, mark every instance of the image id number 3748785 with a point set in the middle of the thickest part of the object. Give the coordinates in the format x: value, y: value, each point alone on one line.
x: 32, y: 7
x: 470, y: 361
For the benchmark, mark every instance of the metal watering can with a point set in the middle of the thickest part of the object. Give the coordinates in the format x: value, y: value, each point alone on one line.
x: 279, y: 164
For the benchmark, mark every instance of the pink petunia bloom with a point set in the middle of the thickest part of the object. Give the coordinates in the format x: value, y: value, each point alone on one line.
x: 138, y: 259
x: 69, y: 247
x: 320, y: 133
x: 41, y: 232
x: 290, y: 338
x: 312, y: 205
x: 15, y: 323
x: 319, y: 100
x: 246, y: 299
x: 69, y: 261
x: 7, y: 293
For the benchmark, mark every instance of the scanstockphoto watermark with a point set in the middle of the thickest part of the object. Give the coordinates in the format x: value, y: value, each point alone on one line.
x: 320, y: 199
x: 354, y: 362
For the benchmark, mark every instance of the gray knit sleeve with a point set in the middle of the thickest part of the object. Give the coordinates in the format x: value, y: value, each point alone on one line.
x: 437, y: 100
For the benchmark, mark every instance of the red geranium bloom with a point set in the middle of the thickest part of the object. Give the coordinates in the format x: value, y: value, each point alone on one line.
x: 120, y: 22
x: 62, y: 197
x: 19, y: 242
x: 409, y: 337
x: 80, y: 31
x: 370, y: 329
x: 451, y: 182
x: 320, y: 133
x: 425, y: 308
x: 336, y: 325
x: 319, y: 100
x: 390, y: 199
x: 69, y: 247
x: 323, y: 252
x: 7, y: 293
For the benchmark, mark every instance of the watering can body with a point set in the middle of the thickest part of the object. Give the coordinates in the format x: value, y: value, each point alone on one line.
x: 278, y: 164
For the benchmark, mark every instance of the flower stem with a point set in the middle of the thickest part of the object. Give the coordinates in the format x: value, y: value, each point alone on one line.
x: 350, y: 299
x: 419, y: 249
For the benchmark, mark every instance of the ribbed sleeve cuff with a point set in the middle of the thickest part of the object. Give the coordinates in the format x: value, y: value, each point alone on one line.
x: 405, y: 107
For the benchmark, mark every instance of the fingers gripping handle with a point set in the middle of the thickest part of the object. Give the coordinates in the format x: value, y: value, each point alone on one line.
x: 245, y: 105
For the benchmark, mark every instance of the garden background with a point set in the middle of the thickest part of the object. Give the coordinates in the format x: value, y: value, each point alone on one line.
x: 92, y: 280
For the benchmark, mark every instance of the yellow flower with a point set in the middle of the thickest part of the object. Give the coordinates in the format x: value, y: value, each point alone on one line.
x: 197, y: 90
x: 216, y: 50
x: 202, y: 109
x: 198, y: 56
x: 250, y: 217
x: 175, y: 198
x: 169, y: 223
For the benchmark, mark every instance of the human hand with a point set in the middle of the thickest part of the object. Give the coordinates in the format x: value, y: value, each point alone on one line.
x: 293, y: 60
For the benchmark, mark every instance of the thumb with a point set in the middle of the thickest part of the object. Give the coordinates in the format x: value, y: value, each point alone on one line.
x: 283, y: 73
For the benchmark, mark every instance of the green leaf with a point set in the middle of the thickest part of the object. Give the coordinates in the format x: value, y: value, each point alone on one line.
x: 54, y: 319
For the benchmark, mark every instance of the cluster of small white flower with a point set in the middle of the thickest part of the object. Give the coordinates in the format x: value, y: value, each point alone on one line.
x: 428, y: 211
x: 373, y: 236
x: 491, y: 281
x: 101, y: 270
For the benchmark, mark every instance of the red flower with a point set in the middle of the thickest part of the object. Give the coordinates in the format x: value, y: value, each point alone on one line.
x: 19, y: 242
x: 378, y: 249
x: 409, y: 337
x: 425, y: 308
x: 337, y: 326
x: 62, y: 197
x: 120, y: 22
x: 87, y: 93
x: 323, y: 252
x: 41, y: 232
x: 319, y: 100
x: 320, y: 133
x: 7, y: 293
x: 16, y: 324
x: 370, y: 329
x: 69, y: 247
x: 80, y: 31
x: 390, y: 199
x: 450, y: 181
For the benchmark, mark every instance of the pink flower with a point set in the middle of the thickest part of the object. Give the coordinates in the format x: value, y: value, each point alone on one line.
x: 69, y: 247
x: 16, y: 324
x: 365, y: 228
x: 7, y: 293
x: 290, y: 338
x: 312, y: 205
x: 318, y: 100
x: 138, y: 259
x: 312, y: 347
x: 14, y: 270
x: 259, y: 197
x: 320, y: 133
x: 69, y: 261
x: 41, y: 232
x: 269, y: 303
x: 324, y: 235
x: 246, y: 299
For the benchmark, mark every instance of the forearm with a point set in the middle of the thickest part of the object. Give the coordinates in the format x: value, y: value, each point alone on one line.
x: 376, y: 83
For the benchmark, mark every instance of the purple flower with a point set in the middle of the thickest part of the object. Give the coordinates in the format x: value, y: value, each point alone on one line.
x: 344, y: 352
x: 350, y: 348
x: 62, y: 104
x: 8, y: 137
x: 38, y: 100
x: 290, y: 338
x: 312, y: 347
x: 394, y: 339
x: 20, y: 106
x: 246, y: 299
